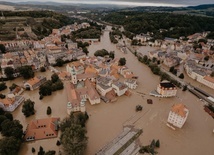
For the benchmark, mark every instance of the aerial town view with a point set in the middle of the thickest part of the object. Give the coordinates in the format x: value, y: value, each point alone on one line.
x: 106, y: 77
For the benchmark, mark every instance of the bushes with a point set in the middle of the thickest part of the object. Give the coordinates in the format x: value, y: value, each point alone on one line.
x: 49, y: 110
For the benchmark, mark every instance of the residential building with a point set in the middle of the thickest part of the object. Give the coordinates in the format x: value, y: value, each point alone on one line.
x: 35, y: 82
x: 10, y: 104
x: 131, y: 83
x: 119, y: 88
x: 165, y: 89
x: 178, y: 115
x: 42, y: 129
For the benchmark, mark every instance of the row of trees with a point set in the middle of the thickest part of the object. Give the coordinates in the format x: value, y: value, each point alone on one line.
x: 50, y: 86
x: 103, y: 53
x: 73, y: 137
x: 25, y: 71
x: 153, y: 64
x: 175, y: 25
x: 12, y: 131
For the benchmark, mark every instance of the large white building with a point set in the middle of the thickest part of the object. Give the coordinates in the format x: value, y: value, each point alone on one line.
x: 166, y: 89
x: 178, y: 115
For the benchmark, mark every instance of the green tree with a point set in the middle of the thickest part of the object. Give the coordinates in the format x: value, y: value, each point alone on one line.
x: 42, y: 69
x: 2, y: 48
x: 181, y: 76
x: 54, y: 77
x: 28, y: 108
x: 206, y: 58
x: 9, y: 71
x: 12, y: 128
x: 85, y: 50
x: 58, y: 143
x: 8, y: 115
x: 2, y: 119
x: 122, y: 61
x: 157, y: 144
x: 171, y: 69
x: 41, y: 151
x: 9, y: 146
x: 45, y: 89
x: 33, y: 150
x: 73, y: 139
x: 12, y: 87
x: 26, y: 72
x: 111, y: 55
x: 49, y: 110
x: 3, y: 86
x: 101, y: 53
x: 59, y: 62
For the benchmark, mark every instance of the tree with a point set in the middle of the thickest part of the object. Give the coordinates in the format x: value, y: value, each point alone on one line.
x: 9, y: 71
x: 41, y: 151
x: 206, y: 58
x: 3, y: 86
x: 9, y: 146
x: 28, y: 108
x: 12, y: 128
x: 184, y: 88
x: 85, y: 50
x: 59, y: 62
x: 171, y: 69
x: 42, y: 69
x: 8, y: 115
x: 26, y: 72
x: 74, y: 140
x: 45, y: 89
x: 122, y: 61
x: 174, y: 72
x: 2, y: 48
x: 101, y: 53
x: 54, y: 77
x: 2, y: 119
x: 157, y: 144
x: 49, y: 110
x: 33, y: 150
x: 212, y: 74
x: 181, y: 76
x: 58, y: 143
x: 111, y: 55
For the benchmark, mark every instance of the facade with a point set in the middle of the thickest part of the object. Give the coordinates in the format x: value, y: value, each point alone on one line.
x: 10, y: 104
x: 166, y: 89
x: 119, y: 88
x: 131, y: 83
x: 35, y: 82
x: 75, y: 103
x: 178, y: 115
x: 42, y: 129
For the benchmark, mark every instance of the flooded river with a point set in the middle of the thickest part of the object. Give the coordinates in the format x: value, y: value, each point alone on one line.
x: 106, y: 120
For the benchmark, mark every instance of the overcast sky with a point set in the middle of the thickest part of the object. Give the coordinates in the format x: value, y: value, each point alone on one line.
x: 132, y: 2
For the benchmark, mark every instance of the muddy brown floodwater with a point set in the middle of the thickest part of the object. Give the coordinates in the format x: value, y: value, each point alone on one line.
x: 106, y: 120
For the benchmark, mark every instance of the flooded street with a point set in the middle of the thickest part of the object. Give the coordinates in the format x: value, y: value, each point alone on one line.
x: 106, y: 120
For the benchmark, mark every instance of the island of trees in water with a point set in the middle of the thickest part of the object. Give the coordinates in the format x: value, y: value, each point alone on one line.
x: 161, y: 24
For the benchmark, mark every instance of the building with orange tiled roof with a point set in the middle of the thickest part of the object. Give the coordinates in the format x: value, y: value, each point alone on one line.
x: 35, y: 82
x: 178, y: 115
x: 75, y: 66
x: 10, y: 104
x: 42, y: 129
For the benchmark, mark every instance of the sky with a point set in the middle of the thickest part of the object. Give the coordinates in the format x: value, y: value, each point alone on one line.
x: 132, y: 2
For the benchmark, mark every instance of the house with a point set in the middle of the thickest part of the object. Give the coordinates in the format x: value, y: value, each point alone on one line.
x: 119, y: 88
x: 63, y: 75
x: 16, y: 91
x: 165, y: 89
x: 131, y: 83
x: 42, y: 129
x: 75, y: 103
x: 10, y: 104
x: 35, y: 82
x: 76, y: 67
x: 178, y: 115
